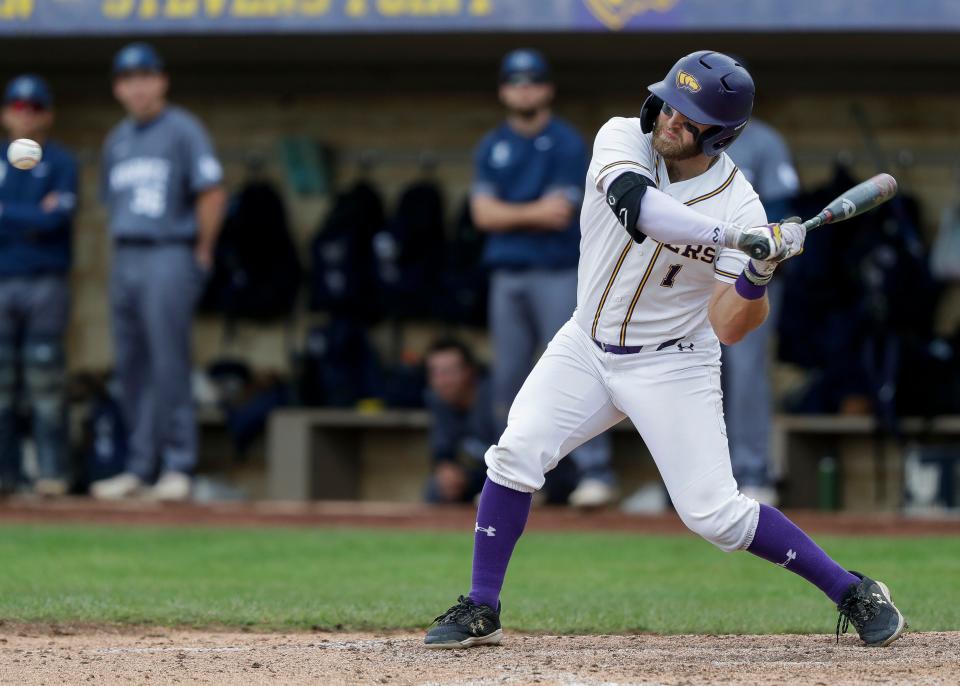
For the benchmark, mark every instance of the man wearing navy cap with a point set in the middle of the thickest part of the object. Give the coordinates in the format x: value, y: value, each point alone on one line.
x: 36, y: 217
x: 162, y: 184
x: 526, y: 196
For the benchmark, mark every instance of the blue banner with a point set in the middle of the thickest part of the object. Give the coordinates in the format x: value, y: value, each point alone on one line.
x: 105, y: 17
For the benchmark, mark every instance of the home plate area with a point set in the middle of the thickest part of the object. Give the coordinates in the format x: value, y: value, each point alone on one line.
x: 35, y: 654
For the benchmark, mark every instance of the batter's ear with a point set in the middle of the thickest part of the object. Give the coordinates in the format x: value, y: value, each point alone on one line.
x: 648, y: 113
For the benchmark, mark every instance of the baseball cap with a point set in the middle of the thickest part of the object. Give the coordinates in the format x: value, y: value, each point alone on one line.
x: 137, y: 57
x: 524, y: 65
x: 28, y: 88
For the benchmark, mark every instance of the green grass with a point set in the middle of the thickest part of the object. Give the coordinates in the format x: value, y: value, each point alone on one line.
x: 359, y: 579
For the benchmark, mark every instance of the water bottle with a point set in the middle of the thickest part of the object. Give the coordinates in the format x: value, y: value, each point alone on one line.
x: 828, y: 491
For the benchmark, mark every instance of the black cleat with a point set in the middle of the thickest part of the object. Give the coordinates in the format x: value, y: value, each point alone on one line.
x: 869, y: 606
x: 464, y: 625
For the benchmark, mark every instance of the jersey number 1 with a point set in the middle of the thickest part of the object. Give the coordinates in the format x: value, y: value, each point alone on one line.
x: 671, y: 275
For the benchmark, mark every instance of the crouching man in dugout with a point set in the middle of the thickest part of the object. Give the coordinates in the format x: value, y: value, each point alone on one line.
x: 462, y: 427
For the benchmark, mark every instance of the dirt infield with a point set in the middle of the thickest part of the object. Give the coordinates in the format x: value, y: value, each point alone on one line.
x: 29, y: 655
x: 424, y: 517
x: 39, y: 654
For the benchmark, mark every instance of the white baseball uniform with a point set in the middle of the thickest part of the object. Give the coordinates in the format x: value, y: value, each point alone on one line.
x: 652, y: 295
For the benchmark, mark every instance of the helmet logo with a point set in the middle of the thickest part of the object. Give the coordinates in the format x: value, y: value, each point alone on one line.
x: 688, y: 81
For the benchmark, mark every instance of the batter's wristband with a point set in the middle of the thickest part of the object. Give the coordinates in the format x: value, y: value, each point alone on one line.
x: 747, y: 290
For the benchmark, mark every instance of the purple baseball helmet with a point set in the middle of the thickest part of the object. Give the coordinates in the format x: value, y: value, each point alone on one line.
x: 709, y: 88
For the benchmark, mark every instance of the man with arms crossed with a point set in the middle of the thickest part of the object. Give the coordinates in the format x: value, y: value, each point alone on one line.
x: 36, y: 223
x: 662, y: 282
x: 527, y: 188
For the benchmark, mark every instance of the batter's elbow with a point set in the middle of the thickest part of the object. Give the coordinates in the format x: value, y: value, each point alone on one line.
x: 729, y: 335
x: 729, y: 341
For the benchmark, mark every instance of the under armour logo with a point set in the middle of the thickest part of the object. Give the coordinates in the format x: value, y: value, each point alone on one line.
x: 880, y: 599
x: 791, y: 556
x: 489, y: 530
x: 681, y: 348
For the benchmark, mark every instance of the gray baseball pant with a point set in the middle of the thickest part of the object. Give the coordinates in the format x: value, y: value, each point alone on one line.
x: 153, y: 291
x: 527, y: 308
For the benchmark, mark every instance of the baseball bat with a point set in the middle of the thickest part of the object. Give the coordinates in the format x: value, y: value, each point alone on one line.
x: 857, y: 200
x: 863, y: 197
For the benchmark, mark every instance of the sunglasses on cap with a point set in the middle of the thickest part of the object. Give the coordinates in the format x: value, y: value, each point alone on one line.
x: 26, y: 106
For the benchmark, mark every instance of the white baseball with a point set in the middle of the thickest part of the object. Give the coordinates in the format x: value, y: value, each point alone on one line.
x: 24, y: 153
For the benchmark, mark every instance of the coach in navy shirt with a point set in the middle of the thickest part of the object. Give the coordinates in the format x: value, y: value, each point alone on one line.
x: 528, y: 186
x: 36, y: 217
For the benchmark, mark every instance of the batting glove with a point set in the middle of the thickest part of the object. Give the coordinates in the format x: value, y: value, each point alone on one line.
x: 769, y: 243
x: 791, y: 234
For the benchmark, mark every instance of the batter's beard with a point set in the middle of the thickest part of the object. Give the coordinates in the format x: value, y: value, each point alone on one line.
x: 673, y: 150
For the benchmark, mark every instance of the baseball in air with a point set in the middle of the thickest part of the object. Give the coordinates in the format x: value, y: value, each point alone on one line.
x: 24, y: 153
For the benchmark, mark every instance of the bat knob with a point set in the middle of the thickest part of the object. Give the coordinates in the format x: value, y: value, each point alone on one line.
x: 756, y: 247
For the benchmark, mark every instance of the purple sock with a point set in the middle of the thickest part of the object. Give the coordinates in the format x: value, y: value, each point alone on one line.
x: 501, y: 516
x: 780, y: 541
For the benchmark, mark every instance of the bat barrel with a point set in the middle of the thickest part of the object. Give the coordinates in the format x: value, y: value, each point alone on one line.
x: 855, y: 201
x: 886, y: 184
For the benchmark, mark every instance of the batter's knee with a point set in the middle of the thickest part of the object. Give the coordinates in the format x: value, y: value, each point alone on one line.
x: 521, y: 458
x: 728, y: 522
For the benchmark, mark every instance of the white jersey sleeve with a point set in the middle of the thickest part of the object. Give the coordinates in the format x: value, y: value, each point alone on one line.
x: 621, y: 145
x: 731, y: 262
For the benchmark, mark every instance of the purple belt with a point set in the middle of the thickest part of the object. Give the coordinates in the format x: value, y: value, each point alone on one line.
x: 631, y: 349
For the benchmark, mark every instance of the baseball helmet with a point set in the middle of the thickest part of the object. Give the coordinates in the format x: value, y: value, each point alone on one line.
x: 709, y: 88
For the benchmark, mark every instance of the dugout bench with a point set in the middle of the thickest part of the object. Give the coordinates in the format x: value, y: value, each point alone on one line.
x: 338, y: 454
x: 334, y: 454
x: 322, y: 453
x: 869, y: 465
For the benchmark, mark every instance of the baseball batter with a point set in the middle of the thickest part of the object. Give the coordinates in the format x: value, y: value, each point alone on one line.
x: 667, y: 224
